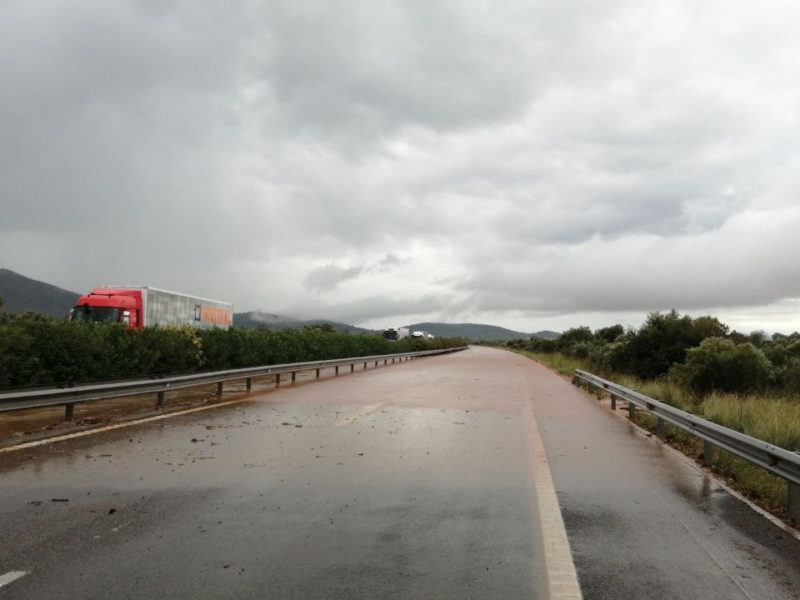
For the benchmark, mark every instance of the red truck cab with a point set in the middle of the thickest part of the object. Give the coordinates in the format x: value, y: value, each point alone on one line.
x: 110, y: 305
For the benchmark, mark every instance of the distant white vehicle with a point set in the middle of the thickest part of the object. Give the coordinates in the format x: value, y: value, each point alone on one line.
x: 419, y: 335
x: 429, y: 336
x: 392, y: 334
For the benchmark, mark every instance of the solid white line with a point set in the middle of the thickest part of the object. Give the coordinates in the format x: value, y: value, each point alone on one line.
x: 11, y: 576
x: 562, y: 578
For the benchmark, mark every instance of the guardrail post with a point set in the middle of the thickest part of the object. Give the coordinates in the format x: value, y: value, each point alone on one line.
x: 365, y: 366
x: 385, y: 361
x: 277, y: 379
x: 793, y: 501
x: 70, y: 411
x: 352, y: 367
x: 708, y: 453
x: 631, y: 410
x: 160, y: 399
x: 294, y: 376
x: 317, y: 373
x: 613, y: 402
x: 249, y: 383
x: 219, y: 389
x: 336, y: 370
x: 660, y: 428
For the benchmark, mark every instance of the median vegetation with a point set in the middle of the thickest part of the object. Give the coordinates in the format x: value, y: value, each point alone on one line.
x: 40, y: 351
x: 749, y: 383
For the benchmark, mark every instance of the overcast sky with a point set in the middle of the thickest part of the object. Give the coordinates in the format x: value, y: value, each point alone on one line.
x: 529, y: 164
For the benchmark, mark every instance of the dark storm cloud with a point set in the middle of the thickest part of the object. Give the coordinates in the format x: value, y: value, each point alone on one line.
x: 354, y: 73
x: 447, y: 159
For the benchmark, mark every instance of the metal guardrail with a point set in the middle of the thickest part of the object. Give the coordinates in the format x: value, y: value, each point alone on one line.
x: 68, y: 397
x: 776, y: 460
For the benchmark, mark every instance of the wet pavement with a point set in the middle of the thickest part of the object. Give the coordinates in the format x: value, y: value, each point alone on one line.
x: 409, y: 481
x: 644, y: 521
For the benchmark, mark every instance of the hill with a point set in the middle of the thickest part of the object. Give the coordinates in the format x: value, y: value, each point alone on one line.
x: 23, y: 293
x: 253, y: 320
x: 477, y: 332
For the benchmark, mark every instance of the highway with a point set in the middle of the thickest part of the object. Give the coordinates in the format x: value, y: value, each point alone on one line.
x: 424, y: 479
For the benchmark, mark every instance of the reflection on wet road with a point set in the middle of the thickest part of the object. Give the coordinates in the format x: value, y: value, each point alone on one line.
x: 406, y: 482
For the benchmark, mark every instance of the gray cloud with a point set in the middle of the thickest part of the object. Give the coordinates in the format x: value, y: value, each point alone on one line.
x: 326, y: 278
x: 511, y: 163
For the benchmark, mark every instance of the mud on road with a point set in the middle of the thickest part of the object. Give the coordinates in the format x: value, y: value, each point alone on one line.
x: 40, y: 423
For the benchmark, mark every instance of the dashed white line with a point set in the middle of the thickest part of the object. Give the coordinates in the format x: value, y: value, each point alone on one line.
x: 11, y: 576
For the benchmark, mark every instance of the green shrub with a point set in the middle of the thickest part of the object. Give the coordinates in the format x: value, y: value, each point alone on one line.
x: 43, y: 351
x: 664, y: 340
x: 719, y: 364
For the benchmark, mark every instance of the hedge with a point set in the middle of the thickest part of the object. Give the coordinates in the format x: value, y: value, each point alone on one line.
x: 45, y: 352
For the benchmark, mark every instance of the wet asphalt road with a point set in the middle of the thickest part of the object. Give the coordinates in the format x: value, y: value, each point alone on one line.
x: 643, y: 521
x: 409, y: 481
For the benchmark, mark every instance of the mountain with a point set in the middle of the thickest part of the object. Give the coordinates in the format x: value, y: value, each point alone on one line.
x: 546, y: 334
x: 253, y: 320
x: 477, y: 332
x: 22, y: 294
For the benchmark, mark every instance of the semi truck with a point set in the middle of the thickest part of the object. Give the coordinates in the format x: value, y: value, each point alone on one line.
x: 393, y: 334
x: 138, y: 307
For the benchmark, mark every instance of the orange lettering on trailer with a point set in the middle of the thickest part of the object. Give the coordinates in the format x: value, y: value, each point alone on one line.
x: 212, y: 314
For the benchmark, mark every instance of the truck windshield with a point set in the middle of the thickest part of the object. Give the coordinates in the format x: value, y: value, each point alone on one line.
x: 95, y: 314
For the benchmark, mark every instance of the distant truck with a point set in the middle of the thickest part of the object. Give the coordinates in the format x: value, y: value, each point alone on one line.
x: 139, y: 306
x: 393, y: 334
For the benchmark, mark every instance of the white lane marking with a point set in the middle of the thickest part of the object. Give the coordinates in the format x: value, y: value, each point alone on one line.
x: 562, y: 579
x: 360, y: 414
x: 11, y: 576
x: 69, y: 436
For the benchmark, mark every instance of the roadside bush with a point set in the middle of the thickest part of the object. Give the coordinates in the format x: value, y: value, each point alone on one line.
x: 581, y: 349
x: 609, y: 334
x: 48, y: 352
x: 719, y: 364
x: 542, y: 345
x: 664, y: 340
x: 788, y: 376
x: 568, y: 341
x: 17, y: 361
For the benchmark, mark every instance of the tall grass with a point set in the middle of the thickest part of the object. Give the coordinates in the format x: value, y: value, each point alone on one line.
x: 773, y: 419
x: 565, y: 365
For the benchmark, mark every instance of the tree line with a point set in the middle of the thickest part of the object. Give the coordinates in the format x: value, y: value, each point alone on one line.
x: 36, y: 350
x: 700, y: 354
